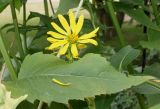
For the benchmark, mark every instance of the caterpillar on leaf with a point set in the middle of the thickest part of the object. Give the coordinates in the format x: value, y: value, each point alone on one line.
x: 60, y: 83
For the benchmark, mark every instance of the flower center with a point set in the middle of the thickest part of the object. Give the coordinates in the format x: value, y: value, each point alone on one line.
x: 73, y: 38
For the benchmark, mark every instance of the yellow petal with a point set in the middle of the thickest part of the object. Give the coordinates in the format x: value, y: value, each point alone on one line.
x: 52, y: 40
x: 63, y: 50
x: 94, y: 42
x: 81, y: 46
x: 72, y: 20
x: 56, y: 27
x: 89, y: 35
x: 74, y: 51
x: 64, y: 23
x: 57, y: 44
x: 56, y: 35
x: 79, y: 24
x: 60, y: 83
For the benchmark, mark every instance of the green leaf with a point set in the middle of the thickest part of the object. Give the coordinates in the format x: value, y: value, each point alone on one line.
x: 39, y: 44
x: 55, y: 105
x: 146, y: 88
x: 104, y: 101
x: 43, y: 18
x: 65, y: 5
x: 89, y: 76
x: 78, y: 104
x: 153, y: 101
x: 137, y: 14
x: 124, y: 57
x: 18, y: 4
x: 6, y: 102
x: 153, y: 40
x: 3, y: 4
x: 153, y: 70
x: 26, y: 105
x: 134, y: 2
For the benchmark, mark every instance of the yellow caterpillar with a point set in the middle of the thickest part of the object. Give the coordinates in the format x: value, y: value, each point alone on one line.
x: 60, y: 83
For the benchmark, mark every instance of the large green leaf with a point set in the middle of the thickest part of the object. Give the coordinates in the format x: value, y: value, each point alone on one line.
x: 124, y: 57
x: 89, y: 76
x: 153, y: 40
x: 65, y: 5
x: 3, y: 4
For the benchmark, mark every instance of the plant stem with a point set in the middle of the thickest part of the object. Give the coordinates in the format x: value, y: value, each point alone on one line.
x: 46, y: 7
x: 6, y: 57
x: 70, y: 57
x: 2, y: 72
x: 110, y: 8
x: 155, y: 11
x: 79, y: 7
x: 141, y: 101
x: 17, y: 34
x: 91, y: 103
x: 40, y: 105
x: 144, y: 59
x: 50, y: 1
x: 24, y: 25
x: 92, y: 14
x: 147, y: 13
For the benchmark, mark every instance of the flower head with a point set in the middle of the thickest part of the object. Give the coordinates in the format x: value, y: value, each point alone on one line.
x: 68, y: 38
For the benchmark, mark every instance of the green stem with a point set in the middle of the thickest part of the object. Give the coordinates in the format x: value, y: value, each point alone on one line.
x: 79, y: 7
x: 141, y: 101
x: 40, y: 105
x: 46, y: 7
x: 92, y: 14
x: 17, y: 34
x: 155, y: 11
x: 51, y: 7
x: 6, y: 57
x: 70, y: 57
x: 24, y: 24
x: 91, y: 103
x: 109, y: 7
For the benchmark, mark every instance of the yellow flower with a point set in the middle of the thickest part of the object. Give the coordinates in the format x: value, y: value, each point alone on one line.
x: 68, y: 38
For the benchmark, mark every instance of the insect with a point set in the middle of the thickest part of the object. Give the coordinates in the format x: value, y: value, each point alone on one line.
x: 60, y: 83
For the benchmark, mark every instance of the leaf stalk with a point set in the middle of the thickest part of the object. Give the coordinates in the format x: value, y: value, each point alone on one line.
x: 46, y: 7
x: 7, y: 59
x: 109, y: 7
x: 17, y: 33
